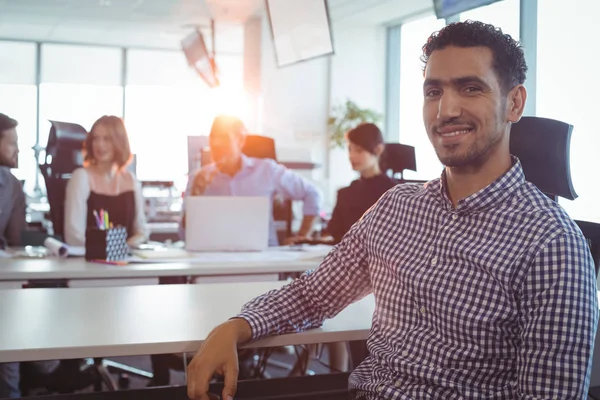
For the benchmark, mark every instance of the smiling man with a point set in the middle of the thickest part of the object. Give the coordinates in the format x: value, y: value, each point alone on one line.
x: 484, y: 287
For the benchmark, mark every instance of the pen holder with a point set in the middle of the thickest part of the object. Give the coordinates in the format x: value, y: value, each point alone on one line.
x: 109, y: 244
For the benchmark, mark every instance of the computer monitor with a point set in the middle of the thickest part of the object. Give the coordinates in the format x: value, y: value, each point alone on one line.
x: 448, y: 8
x: 300, y: 29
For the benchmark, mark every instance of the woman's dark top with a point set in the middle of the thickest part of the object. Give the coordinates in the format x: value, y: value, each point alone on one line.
x: 354, y: 200
x: 121, y: 209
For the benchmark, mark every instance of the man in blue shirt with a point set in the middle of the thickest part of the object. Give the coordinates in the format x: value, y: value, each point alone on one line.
x: 484, y: 287
x: 233, y: 174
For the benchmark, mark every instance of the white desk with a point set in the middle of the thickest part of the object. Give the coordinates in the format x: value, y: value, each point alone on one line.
x: 79, y: 269
x: 45, y: 324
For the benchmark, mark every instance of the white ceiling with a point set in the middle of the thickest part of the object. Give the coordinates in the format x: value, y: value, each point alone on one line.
x: 147, y: 23
x: 163, y: 23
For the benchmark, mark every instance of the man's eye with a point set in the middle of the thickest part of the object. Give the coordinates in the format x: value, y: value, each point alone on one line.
x: 472, y: 89
x: 432, y: 93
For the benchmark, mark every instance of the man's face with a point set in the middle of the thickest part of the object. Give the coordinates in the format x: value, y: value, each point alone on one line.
x: 464, y: 109
x: 9, y: 148
x: 226, y: 148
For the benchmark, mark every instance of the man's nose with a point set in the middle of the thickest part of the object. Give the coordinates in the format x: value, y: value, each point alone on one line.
x: 449, y: 106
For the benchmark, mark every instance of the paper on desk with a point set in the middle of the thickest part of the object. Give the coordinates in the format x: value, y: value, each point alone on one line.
x: 76, y: 251
x: 56, y: 247
x: 59, y: 249
x: 162, y: 254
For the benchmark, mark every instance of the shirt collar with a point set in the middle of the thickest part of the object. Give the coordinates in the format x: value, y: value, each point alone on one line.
x: 493, y: 194
x: 248, y: 162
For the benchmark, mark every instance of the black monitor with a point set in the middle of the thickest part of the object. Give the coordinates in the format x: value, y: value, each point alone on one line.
x: 300, y: 28
x: 448, y: 8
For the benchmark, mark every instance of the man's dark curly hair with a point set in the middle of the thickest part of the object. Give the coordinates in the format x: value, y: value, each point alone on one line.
x: 508, y: 58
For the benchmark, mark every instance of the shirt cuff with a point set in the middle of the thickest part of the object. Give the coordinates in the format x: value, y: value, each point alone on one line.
x: 258, y: 324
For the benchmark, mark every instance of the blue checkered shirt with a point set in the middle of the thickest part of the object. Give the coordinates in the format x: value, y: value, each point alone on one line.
x: 493, y: 299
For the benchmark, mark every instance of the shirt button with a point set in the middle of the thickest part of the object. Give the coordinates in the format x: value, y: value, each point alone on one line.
x: 380, y: 388
x: 454, y: 216
x: 405, y: 353
x: 434, y: 261
x: 397, y: 384
x: 423, y: 310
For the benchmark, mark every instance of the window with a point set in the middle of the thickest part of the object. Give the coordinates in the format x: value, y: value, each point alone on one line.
x: 503, y: 14
x: 166, y: 102
x: 82, y: 89
x: 567, y: 90
x: 77, y: 103
x: 19, y: 101
x: 413, y: 36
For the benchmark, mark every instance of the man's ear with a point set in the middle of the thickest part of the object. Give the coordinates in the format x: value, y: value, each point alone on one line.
x: 515, y: 103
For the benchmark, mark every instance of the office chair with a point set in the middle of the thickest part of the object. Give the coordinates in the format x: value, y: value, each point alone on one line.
x: 63, y: 156
x: 397, y: 158
x: 543, y: 147
x: 264, y: 147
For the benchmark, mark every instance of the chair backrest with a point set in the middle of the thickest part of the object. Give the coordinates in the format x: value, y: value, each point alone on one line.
x: 259, y: 147
x: 591, y: 231
x: 543, y: 146
x: 397, y: 158
x: 63, y: 156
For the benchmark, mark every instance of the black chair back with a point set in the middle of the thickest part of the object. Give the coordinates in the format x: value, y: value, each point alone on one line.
x: 259, y: 147
x: 397, y: 158
x: 63, y: 155
x: 543, y: 146
x: 591, y: 231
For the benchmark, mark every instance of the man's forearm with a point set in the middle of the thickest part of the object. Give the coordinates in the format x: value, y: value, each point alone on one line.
x: 307, y: 225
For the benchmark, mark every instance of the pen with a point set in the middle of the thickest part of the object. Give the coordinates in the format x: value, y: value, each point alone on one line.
x: 106, y: 225
x: 97, y: 217
x: 101, y: 222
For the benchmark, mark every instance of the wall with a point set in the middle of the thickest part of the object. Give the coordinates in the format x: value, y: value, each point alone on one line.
x: 294, y: 106
x: 358, y: 74
x: 295, y: 101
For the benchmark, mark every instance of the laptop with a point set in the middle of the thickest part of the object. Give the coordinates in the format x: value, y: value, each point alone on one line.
x: 217, y: 223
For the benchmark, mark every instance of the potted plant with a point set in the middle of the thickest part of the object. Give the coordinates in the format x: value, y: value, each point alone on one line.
x: 347, y: 116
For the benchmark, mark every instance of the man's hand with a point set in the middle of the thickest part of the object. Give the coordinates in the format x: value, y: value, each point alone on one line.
x: 293, y: 240
x: 218, y: 354
x: 202, y: 179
